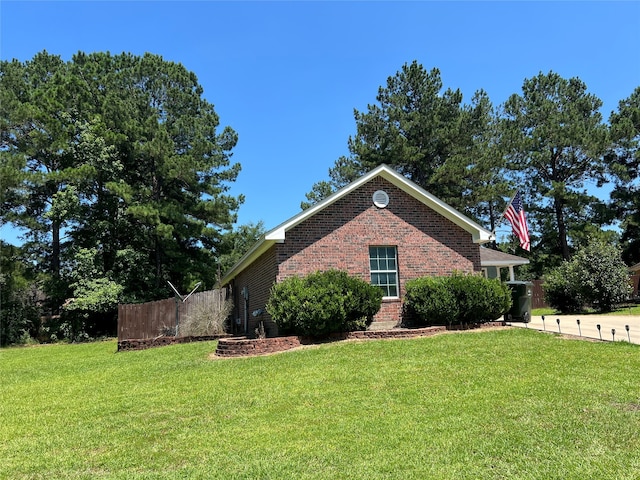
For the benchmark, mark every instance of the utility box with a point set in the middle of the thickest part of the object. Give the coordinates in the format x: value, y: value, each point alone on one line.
x: 521, y: 300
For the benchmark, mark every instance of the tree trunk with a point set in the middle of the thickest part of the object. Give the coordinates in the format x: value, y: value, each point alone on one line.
x: 492, y: 219
x: 55, y: 249
x: 562, y: 228
x: 158, y: 256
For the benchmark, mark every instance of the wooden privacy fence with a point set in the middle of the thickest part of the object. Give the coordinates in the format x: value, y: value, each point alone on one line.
x: 537, y: 295
x: 154, y: 319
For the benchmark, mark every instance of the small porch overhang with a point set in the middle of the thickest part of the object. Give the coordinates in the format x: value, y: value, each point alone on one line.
x: 492, y: 261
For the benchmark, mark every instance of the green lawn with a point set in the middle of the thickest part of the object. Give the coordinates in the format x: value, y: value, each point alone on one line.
x: 509, y: 403
x: 630, y: 309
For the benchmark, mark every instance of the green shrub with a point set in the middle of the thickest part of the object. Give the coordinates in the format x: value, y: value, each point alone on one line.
x: 323, y: 303
x: 430, y: 300
x: 596, y: 276
x: 499, y: 299
x: 19, y: 322
x: 19, y: 314
x: 479, y: 299
x: 561, y: 289
x: 457, y: 299
x: 604, y: 277
x: 362, y: 301
x: 283, y: 297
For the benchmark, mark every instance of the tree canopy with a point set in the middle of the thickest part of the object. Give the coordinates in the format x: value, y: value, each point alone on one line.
x: 624, y: 161
x: 555, y: 140
x: 549, y: 141
x: 427, y: 134
x: 118, y: 170
x: 116, y: 167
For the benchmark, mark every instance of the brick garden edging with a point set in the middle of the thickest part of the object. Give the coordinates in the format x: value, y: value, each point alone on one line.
x: 229, y: 346
x: 242, y: 346
x: 144, y: 343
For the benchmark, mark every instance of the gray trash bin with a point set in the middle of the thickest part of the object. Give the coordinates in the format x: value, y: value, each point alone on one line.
x: 521, y: 298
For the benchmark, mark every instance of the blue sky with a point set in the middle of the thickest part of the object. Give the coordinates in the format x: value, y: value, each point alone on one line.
x: 288, y: 75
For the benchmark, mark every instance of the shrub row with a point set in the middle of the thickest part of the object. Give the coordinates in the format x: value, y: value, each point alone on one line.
x: 323, y: 303
x: 456, y: 299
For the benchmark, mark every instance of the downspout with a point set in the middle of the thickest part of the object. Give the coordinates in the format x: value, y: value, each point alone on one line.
x: 245, y: 295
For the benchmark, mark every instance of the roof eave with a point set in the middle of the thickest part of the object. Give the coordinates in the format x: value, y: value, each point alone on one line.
x: 480, y: 235
x: 483, y: 236
x: 258, y: 249
x: 279, y: 233
x: 503, y: 263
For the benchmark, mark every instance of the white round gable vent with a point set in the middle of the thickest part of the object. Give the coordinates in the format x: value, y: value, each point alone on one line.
x: 380, y: 199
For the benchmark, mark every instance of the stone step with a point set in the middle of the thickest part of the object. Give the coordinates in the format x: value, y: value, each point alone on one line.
x: 377, y: 326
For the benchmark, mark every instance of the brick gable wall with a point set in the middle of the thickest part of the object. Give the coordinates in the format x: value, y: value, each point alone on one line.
x: 340, y: 235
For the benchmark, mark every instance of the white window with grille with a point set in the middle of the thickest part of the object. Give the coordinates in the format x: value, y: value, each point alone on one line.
x: 383, y: 264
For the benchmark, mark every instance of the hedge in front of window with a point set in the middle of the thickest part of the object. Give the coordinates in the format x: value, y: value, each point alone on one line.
x: 431, y: 301
x: 456, y: 299
x: 322, y: 303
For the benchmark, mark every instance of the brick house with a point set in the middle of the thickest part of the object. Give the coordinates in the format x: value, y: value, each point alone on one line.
x: 382, y: 228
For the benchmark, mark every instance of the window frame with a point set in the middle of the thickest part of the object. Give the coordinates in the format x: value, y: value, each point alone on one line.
x: 385, y: 271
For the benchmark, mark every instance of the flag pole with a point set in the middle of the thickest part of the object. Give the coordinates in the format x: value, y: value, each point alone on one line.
x: 495, y: 227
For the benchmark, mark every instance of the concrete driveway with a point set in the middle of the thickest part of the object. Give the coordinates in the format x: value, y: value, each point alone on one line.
x: 589, y: 326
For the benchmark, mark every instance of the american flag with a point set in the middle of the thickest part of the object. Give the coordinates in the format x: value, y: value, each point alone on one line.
x: 515, y: 215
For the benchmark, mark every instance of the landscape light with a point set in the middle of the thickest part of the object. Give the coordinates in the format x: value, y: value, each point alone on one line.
x: 626, y: 327
x: 613, y: 334
x: 558, y: 322
x: 579, y: 330
x: 599, y: 332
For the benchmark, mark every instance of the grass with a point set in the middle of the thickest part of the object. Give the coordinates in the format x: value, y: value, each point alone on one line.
x: 630, y: 309
x: 536, y: 312
x: 510, y: 403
